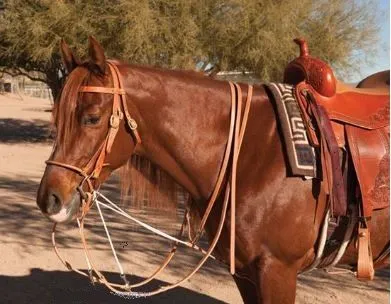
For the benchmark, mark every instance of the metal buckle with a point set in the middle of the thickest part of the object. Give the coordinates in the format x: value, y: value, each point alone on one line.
x: 132, y: 124
x: 334, y: 221
x: 114, y: 121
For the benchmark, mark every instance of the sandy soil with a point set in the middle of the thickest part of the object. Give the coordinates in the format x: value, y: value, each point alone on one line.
x: 31, y: 273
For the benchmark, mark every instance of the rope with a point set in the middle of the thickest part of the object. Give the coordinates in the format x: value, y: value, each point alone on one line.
x: 118, y: 210
x: 109, y: 238
x: 101, y: 278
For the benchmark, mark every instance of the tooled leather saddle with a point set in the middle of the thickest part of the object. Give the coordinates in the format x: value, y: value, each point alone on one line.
x: 339, y: 117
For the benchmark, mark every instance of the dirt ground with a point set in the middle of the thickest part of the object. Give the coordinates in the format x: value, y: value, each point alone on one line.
x: 31, y: 273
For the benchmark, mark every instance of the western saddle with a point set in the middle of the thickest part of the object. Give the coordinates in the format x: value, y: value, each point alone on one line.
x: 342, y: 118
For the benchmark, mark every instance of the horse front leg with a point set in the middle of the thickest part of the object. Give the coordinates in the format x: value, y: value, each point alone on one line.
x: 276, y: 281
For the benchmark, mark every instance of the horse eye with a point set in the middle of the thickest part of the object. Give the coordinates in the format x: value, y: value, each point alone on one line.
x: 91, y: 120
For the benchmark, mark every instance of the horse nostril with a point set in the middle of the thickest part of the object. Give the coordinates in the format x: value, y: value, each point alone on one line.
x: 54, y: 203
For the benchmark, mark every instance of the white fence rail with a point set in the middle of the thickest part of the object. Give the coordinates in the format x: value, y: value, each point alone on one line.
x: 24, y: 87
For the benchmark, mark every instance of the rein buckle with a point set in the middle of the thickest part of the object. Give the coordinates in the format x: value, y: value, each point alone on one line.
x: 114, y: 121
x: 132, y: 124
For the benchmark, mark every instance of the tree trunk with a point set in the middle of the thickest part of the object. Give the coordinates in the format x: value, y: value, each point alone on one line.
x: 55, y: 82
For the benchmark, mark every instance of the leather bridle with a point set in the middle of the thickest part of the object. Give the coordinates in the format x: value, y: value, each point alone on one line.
x: 119, y: 111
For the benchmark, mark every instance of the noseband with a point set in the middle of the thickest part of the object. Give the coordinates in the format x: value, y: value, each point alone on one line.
x: 96, y: 163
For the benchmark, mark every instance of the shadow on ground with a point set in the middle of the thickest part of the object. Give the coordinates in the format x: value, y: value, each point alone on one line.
x: 315, y: 279
x: 21, y: 220
x: 22, y: 223
x: 18, y: 130
x: 67, y: 287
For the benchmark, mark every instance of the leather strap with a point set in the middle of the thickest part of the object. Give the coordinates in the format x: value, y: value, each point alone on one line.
x: 223, y: 169
x: 365, y: 270
x: 103, y: 90
x: 382, y: 256
x: 240, y: 127
x: 332, y: 173
x: 130, y: 121
x: 234, y: 142
x: 119, y: 100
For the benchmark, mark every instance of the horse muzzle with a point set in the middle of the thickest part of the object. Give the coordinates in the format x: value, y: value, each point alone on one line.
x: 57, y: 210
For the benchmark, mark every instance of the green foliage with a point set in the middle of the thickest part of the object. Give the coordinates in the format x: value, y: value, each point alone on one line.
x: 236, y: 34
x: 257, y: 35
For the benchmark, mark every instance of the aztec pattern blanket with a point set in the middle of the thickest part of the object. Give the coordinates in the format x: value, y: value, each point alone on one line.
x: 300, y: 153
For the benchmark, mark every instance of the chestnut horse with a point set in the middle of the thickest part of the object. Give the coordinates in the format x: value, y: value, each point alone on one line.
x: 183, y: 119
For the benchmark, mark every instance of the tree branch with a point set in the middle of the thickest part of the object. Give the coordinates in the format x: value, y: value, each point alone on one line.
x: 19, y: 72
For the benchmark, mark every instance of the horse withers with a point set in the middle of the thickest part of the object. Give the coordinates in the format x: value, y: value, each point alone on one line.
x: 183, y: 125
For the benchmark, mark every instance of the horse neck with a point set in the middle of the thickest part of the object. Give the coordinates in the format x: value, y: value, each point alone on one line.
x: 184, y: 122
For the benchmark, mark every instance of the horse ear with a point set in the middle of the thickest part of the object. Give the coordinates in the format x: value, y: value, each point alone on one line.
x: 69, y: 59
x: 97, y: 55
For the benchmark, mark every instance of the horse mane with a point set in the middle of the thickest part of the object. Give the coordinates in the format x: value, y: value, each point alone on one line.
x: 64, y: 109
x: 144, y: 185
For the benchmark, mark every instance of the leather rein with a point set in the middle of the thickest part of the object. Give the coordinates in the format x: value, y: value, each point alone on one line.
x: 238, y: 122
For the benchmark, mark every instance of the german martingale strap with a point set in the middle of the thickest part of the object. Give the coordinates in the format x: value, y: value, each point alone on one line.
x: 300, y: 153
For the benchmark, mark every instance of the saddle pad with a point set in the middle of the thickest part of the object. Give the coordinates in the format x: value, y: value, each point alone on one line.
x: 300, y: 153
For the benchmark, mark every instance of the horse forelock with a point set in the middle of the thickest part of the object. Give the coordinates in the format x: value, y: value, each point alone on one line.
x: 64, y: 111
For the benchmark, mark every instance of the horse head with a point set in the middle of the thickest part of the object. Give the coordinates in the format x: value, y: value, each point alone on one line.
x: 89, y: 119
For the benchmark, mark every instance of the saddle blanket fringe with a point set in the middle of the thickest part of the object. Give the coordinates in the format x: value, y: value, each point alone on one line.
x: 300, y: 153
